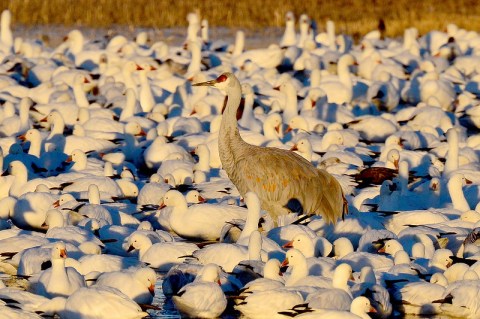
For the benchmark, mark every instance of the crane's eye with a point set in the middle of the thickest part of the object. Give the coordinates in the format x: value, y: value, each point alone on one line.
x: 222, y: 78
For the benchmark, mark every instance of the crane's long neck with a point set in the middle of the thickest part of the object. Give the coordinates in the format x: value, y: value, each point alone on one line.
x: 229, y: 140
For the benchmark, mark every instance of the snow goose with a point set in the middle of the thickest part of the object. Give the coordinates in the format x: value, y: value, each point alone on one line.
x: 20, y: 123
x: 272, y: 279
x: 138, y: 284
x: 93, y: 209
x: 289, y: 35
x: 30, y: 208
x: 94, y: 303
x: 6, y: 35
x: 17, y: 242
x: 146, y: 99
x: 266, y: 58
x: 67, y: 144
x: 303, y: 147
x: 151, y: 192
x: 11, y: 312
x: 200, y: 221
x: 202, y: 298
x: 310, y: 248
x: 378, y: 295
x: 159, y: 150
x: 21, y: 185
x: 230, y: 255
x: 462, y: 301
x: 454, y: 185
x: 299, y: 275
x: 359, y: 308
x: 58, y: 280
x: 267, y: 304
x: 385, y: 127
x: 417, y: 297
x: 341, y: 90
x: 437, y: 92
x: 290, y: 106
x: 248, y: 120
x: 161, y: 256
x: 57, y: 230
x: 106, y: 186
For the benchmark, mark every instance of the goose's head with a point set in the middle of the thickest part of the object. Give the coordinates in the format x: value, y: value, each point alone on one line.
x: 361, y: 305
x: 172, y: 197
x: 59, y: 250
x: 147, y: 277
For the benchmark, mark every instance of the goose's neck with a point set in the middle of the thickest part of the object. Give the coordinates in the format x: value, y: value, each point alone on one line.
x: 143, y: 249
x: 239, y: 43
x: 129, y: 108
x: 94, y: 197
x: 146, y: 98
x: 291, y: 105
x: 204, y: 162
x: 308, y: 250
x: 269, y: 131
x: 195, y: 63
x: 80, y: 164
x: 251, y: 224
x: 340, y: 282
x: 344, y: 75
x: 458, y: 198
x: 299, y: 271
x: 57, y: 127
x: 128, y: 80
x: 35, y: 147
x: 181, y: 206
x: 58, y: 278
x: 451, y: 163
x: 247, y: 116
x: 24, y: 116
x: 80, y: 97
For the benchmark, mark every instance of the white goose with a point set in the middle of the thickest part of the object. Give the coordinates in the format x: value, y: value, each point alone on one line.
x: 94, y: 303
x: 202, y: 298
x: 311, y: 248
x: 21, y: 185
x: 340, y: 91
x: 57, y: 229
x: 230, y: 255
x: 17, y: 123
x: 161, y: 256
x: 359, y: 308
x: 58, y: 280
x: 138, y: 284
x: 200, y: 221
x: 268, y: 303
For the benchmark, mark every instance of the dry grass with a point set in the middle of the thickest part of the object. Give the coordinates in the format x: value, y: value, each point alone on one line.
x: 351, y: 16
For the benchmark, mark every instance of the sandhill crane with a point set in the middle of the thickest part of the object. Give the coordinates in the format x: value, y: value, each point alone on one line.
x: 279, y: 177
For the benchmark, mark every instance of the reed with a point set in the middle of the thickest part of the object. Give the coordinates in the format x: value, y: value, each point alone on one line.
x: 355, y: 17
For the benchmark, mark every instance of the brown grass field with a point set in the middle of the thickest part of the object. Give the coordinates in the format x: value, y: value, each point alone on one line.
x: 355, y: 17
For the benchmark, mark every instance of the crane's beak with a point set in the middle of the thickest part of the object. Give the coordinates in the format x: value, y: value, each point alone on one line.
x: 208, y: 83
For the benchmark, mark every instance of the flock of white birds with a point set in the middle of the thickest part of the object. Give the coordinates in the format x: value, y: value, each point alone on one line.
x: 112, y: 178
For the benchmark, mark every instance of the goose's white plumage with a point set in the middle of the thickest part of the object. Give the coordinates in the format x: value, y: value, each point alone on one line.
x: 202, y: 298
x: 199, y: 221
x: 58, y: 280
x: 137, y: 284
x: 94, y: 303
x: 268, y: 303
x: 161, y: 256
